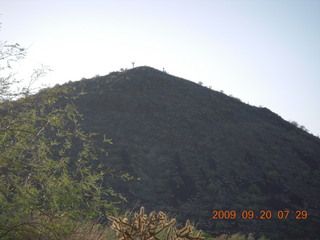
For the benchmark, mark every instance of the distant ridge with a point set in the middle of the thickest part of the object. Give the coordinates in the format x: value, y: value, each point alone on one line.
x: 197, y: 150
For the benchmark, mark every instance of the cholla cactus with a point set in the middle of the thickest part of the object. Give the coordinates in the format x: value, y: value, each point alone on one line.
x: 187, y: 232
x: 154, y: 227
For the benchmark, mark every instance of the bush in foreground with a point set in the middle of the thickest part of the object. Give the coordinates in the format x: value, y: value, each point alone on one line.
x: 154, y: 226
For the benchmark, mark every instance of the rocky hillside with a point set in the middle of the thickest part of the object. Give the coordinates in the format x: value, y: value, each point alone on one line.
x: 197, y: 151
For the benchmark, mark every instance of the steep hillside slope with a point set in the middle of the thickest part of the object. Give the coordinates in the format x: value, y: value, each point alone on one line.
x: 197, y: 150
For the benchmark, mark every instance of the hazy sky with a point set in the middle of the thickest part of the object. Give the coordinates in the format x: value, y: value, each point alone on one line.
x: 265, y: 52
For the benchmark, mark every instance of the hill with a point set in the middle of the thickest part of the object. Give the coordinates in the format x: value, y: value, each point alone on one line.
x: 197, y: 150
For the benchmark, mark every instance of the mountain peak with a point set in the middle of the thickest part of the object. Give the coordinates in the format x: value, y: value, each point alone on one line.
x: 197, y: 150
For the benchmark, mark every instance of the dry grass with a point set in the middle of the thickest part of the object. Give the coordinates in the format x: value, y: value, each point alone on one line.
x: 131, y: 226
x: 92, y: 231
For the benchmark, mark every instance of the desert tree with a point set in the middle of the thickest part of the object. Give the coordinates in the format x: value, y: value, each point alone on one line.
x: 50, y: 174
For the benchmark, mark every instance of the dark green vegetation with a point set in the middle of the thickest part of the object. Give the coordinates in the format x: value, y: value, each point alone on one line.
x: 49, y: 175
x: 197, y: 150
x: 51, y: 178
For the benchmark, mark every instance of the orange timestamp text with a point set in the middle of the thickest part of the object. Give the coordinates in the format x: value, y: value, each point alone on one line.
x: 264, y: 214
